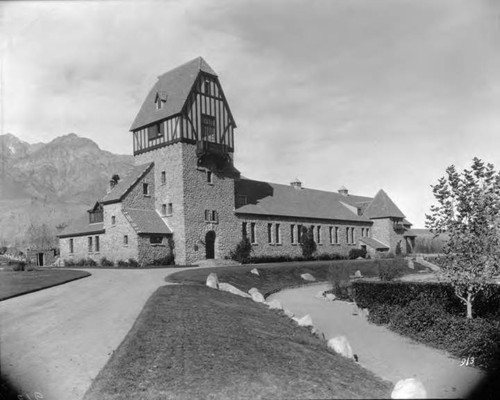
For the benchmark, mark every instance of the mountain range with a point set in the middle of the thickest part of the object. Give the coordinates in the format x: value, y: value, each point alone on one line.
x: 51, y: 183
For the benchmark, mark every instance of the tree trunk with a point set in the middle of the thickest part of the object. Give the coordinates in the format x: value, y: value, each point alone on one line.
x: 469, y: 305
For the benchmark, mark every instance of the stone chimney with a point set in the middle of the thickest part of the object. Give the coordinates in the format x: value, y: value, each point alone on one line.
x: 343, y: 191
x: 296, y: 184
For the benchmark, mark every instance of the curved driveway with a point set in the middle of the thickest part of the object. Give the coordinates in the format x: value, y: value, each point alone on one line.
x: 55, y: 341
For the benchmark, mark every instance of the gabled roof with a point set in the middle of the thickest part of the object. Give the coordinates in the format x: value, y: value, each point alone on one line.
x: 375, y: 244
x: 126, y: 184
x: 146, y: 221
x: 81, y: 226
x: 173, y: 87
x: 264, y: 198
x: 382, y: 207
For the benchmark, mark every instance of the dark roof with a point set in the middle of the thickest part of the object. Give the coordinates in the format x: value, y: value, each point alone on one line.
x: 81, y: 226
x: 410, y: 233
x: 264, y: 198
x: 146, y: 221
x: 174, y: 86
x: 126, y: 184
x: 374, y: 243
x: 383, y: 207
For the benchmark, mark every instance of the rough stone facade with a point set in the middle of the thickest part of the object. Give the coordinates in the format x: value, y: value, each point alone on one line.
x: 383, y: 230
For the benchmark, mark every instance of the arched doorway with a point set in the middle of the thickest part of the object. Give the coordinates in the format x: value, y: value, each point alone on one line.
x: 210, y: 245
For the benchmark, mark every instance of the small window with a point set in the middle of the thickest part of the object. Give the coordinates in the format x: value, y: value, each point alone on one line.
x: 318, y: 234
x: 347, y: 235
x: 170, y: 209
x: 253, y: 233
x: 125, y: 240
x: 163, y: 209
x: 113, y: 220
x: 292, y: 234
x: 244, y: 232
x: 155, y: 131
x: 207, y: 88
x: 71, y: 248
x: 211, y: 216
x: 97, y: 247
x: 145, y: 189
x: 270, y: 233
x: 337, y: 234
x: 352, y: 235
x: 155, y: 239
x: 210, y: 178
x: 159, y: 103
x: 90, y: 244
x: 367, y: 232
x: 163, y: 177
x: 214, y: 216
x: 277, y: 234
x: 299, y: 233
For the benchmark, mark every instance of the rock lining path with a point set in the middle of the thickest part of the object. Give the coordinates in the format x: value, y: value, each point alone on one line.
x: 387, y: 354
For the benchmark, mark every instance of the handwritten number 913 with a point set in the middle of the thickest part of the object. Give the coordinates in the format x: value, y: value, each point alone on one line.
x: 469, y: 361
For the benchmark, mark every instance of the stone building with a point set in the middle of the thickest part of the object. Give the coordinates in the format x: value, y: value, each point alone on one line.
x: 185, y: 195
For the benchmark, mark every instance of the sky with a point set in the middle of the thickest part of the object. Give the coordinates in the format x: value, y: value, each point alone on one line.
x: 366, y: 94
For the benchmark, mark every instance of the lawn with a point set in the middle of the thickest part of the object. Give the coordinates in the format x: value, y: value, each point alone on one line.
x: 17, y: 283
x: 192, y: 342
x: 278, y: 276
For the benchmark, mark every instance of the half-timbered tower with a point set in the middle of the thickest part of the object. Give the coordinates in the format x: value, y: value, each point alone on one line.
x: 185, y: 190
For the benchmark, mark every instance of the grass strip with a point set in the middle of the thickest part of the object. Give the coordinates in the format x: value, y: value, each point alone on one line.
x: 192, y: 342
x: 17, y: 283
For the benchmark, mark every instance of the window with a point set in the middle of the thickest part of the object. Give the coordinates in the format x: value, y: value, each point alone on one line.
x: 155, y: 131
x: 170, y: 209
x: 163, y: 177
x: 362, y: 232
x: 352, y: 235
x: 207, y: 127
x: 253, y: 233
x: 318, y: 231
x: 347, y: 235
x: 90, y: 244
x: 97, y: 247
x: 159, y: 103
x: 277, y: 235
x: 244, y: 231
x: 241, y: 200
x: 270, y: 233
x: 292, y: 234
x: 125, y: 240
x: 71, y: 248
x: 163, y: 209
x: 367, y: 232
x: 299, y: 233
x: 330, y: 233
x: 210, y: 177
x: 145, y: 189
x: 155, y: 239
x: 96, y: 215
x: 113, y: 220
x: 211, y: 216
x: 207, y: 88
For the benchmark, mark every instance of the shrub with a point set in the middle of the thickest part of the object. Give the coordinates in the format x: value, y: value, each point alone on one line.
x: 106, y: 263
x: 69, y: 263
x: 307, y: 242
x: 122, y: 263
x: 388, y: 272
x: 356, y: 253
x: 328, y: 256
x: 341, y: 283
x: 167, y: 260
x: 80, y: 263
x: 19, y: 266
x: 90, y: 262
x: 132, y: 262
x: 242, y: 251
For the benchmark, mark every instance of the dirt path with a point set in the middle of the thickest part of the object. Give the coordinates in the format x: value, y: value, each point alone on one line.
x: 55, y: 341
x: 387, y: 354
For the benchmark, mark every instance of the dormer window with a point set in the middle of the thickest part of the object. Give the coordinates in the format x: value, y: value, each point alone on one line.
x: 159, y: 103
x: 96, y: 215
x: 160, y: 99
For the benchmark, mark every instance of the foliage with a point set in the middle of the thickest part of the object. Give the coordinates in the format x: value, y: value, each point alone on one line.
x: 132, y: 262
x: 398, y: 249
x: 242, y: 251
x: 90, y: 262
x: 356, y: 253
x: 307, y: 242
x: 106, y: 263
x: 19, y: 266
x: 285, y: 258
x: 3, y: 249
x: 122, y: 263
x: 41, y: 237
x: 69, y: 263
x: 388, y: 272
x: 341, y: 282
x: 167, y: 260
x: 468, y: 211
x: 430, y: 244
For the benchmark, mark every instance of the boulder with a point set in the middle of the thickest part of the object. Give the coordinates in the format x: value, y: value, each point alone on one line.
x: 306, y: 320
x: 358, y: 274
x: 330, y: 297
x: 258, y: 297
x: 213, y: 281
x: 341, y: 345
x: 255, y: 271
x: 226, y: 287
x: 274, y: 304
x: 308, y: 277
x: 410, y: 388
x: 320, y: 295
x: 288, y: 313
x: 253, y: 290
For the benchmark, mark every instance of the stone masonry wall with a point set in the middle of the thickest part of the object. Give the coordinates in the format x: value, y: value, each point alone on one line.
x: 137, y: 199
x: 169, y: 159
x: 149, y: 252
x: 81, y: 248
x: 384, y: 232
x: 115, y: 248
x: 262, y: 247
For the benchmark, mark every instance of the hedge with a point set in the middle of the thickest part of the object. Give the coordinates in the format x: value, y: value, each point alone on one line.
x: 432, y: 314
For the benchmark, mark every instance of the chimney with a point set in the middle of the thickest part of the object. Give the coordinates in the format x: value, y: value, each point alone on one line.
x: 113, y: 182
x: 343, y: 191
x: 296, y: 184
